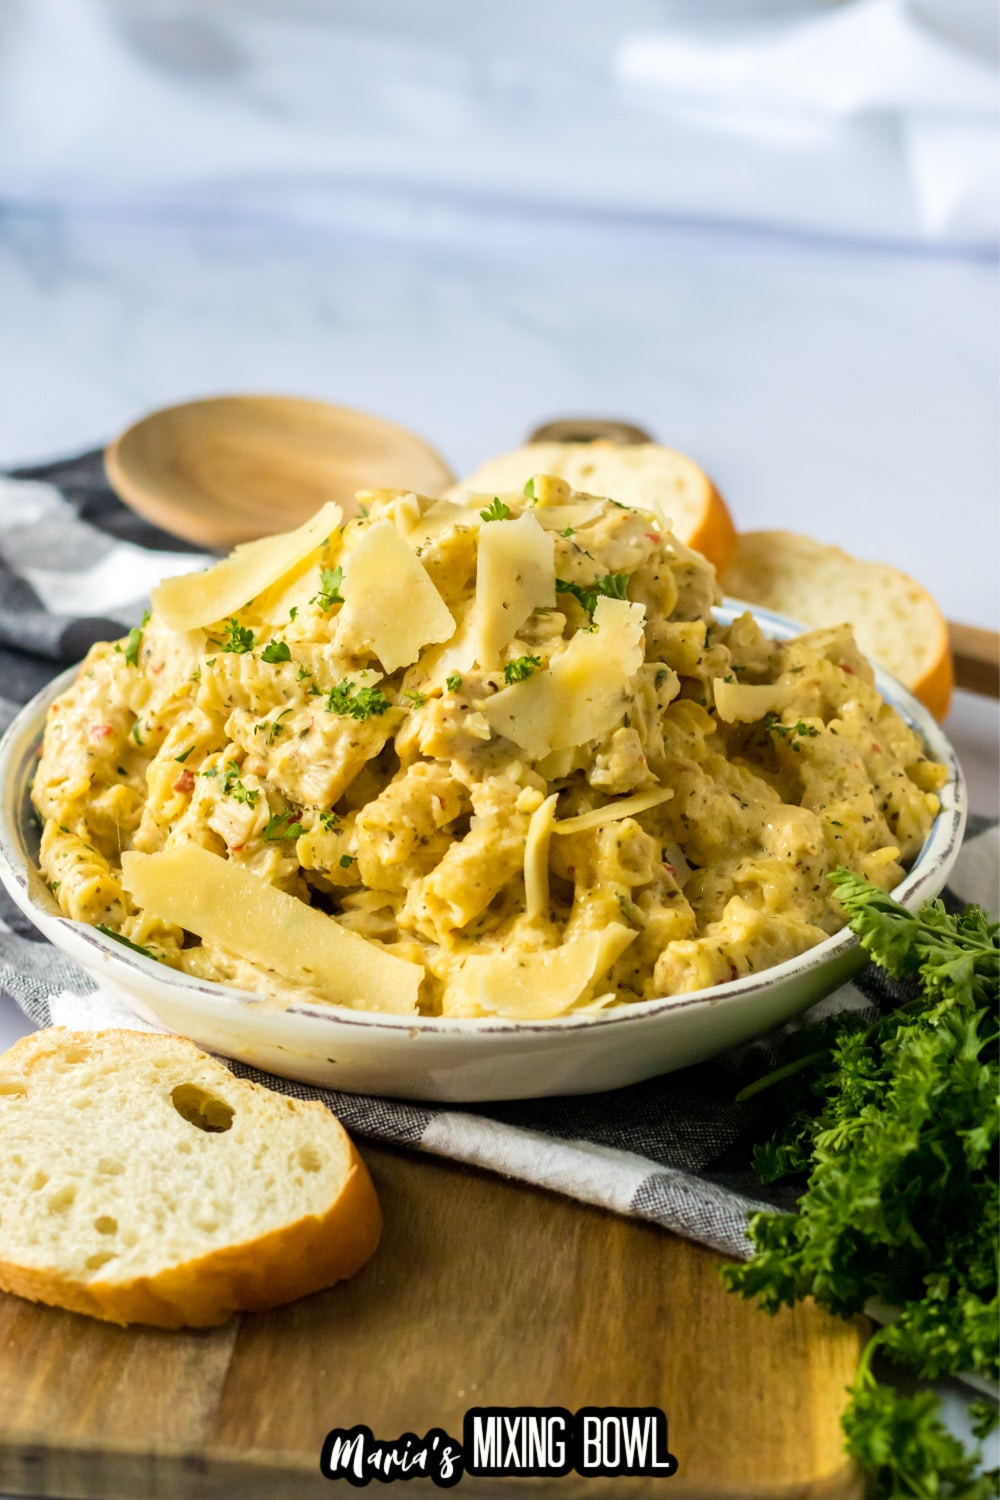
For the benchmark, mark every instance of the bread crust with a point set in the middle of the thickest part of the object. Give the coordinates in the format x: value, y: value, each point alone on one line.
x: 288, y: 1262
x: 750, y: 577
x: 711, y: 532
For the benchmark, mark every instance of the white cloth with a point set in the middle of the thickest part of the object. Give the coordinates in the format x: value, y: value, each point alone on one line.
x: 860, y: 119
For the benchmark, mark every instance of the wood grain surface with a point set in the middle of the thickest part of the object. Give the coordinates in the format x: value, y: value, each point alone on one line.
x: 483, y: 1292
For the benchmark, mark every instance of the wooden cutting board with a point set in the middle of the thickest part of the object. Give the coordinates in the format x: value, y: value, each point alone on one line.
x: 483, y: 1292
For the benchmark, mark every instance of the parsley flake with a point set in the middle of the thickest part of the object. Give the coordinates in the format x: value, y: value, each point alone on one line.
x: 454, y: 682
x: 279, y: 827
x: 275, y: 651
x: 126, y: 942
x: 495, y: 512
x: 133, y: 645
x: 329, y: 588
x: 238, y: 639
x: 352, y: 702
x: 520, y: 668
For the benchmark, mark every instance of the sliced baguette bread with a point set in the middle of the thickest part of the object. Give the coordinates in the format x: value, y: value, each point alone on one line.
x: 641, y: 474
x: 141, y: 1182
x: 896, y: 622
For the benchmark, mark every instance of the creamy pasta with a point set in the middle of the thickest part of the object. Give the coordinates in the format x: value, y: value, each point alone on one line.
x: 503, y: 742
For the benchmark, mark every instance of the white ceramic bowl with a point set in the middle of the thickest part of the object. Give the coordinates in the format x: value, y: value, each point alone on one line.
x: 430, y: 1057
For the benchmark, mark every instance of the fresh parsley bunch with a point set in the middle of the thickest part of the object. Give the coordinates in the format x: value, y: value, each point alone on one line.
x: 895, y: 1123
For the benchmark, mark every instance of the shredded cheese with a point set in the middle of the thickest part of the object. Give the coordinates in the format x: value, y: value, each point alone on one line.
x: 536, y: 859
x: 536, y: 986
x: 390, y: 601
x: 515, y: 575
x: 197, y: 599
x: 583, y: 694
x: 224, y: 903
x: 612, y: 811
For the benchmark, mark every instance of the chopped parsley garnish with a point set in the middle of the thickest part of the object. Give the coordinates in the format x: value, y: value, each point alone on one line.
x: 346, y: 860
x: 180, y: 759
x: 417, y: 699
x: 238, y: 638
x: 570, y: 531
x: 133, y: 645
x: 329, y: 588
x: 275, y: 651
x: 279, y: 827
x: 497, y: 511
x: 353, y: 702
x: 276, y: 726
x: 126, y: 942
x: 302, y: 674
x: 520, y: 668
x: 328, y: 819
x: 894, y: 1123
x: 454, y: 682
x: 612, y: 586
x: 146, y: 617
x: 231, y: 784
x: 529, y: 489
x: 135, y: 733
x: 122, y: 771
x: 790, y: 733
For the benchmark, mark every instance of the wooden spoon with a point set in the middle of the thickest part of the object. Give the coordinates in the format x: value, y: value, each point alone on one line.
x: 231, y: 468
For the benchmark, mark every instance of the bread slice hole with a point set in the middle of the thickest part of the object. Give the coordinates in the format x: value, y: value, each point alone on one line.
x: 310, y: 1159
x: 62, y: 1199
x: 74, y: 1054
x: 201, y: 1109
x: 106, y: 1224
x: 98, y: 1259
x: 110, y: 1166
x: 38, y: 1181
x: 13, y: 1090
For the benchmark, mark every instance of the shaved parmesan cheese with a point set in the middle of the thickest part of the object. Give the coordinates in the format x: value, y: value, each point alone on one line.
x: 203, y: 598
x: 585, y: 691
x: 390, y: 602
x: 536, y: 986
x: 515, y: 575
x: 225, y: 904
x: 744, y: 702
x: 626, y: 808
x: 536, y: 859
x: 558, y: 517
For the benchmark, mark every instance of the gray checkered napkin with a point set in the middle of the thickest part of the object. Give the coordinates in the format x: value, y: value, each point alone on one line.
x: 75, y: 567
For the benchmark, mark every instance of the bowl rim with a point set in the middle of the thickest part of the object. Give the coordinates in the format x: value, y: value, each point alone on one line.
x: 938, y: 854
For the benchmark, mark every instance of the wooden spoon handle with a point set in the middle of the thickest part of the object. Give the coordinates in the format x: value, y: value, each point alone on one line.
x: 976, y: 652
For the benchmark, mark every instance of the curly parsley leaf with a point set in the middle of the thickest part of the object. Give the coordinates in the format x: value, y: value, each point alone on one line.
x: 238, y: 639
x: 790, y: 733
x: 495, y: 512
x: 280, y: 826
x: 329, y: 588
x: 454, y: 682
x: 520, y: 668
x: 350, y: 701
x: 611, y: 586
x: 275, y: 651
x: 133, y: 645
x: 895, y: 1125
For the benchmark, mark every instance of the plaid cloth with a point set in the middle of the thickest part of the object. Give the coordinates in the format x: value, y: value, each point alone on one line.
x: 75, y: 567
